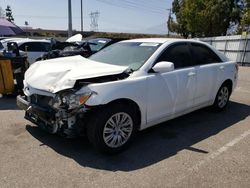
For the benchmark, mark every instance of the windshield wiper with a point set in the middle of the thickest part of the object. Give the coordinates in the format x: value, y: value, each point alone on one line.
x: 129, y: 71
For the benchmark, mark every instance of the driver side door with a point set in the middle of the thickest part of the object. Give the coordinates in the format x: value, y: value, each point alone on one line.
x: 171, y: 93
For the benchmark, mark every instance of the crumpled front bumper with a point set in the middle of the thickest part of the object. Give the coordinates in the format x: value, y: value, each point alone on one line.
x: 49, y: 119
x: 22, y: 103
x: 42, y: 113
x: 44, y: 118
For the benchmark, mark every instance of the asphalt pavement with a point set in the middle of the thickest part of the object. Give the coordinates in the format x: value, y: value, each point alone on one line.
x: 201, y: 149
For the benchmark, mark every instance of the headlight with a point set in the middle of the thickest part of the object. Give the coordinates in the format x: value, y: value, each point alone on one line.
x: 71, y: 101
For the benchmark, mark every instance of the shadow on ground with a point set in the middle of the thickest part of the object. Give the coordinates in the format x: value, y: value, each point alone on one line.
x: 8, y: 102
x: 152, y: 145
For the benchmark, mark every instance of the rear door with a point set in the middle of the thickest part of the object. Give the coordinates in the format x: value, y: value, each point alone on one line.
x: 209, y: 73
x: 172, y: 92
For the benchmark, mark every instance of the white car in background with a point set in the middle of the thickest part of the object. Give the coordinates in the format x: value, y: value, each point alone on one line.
x: 126, y: 87
x: 34, y: 48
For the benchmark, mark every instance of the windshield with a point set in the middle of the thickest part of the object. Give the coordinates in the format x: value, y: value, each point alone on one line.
x: 131, y: 54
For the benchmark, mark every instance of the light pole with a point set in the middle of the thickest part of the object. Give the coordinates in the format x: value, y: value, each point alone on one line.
x: 81, y: 18
x: 169, y: 18
x: 26, y: 23
x: 70, y: 18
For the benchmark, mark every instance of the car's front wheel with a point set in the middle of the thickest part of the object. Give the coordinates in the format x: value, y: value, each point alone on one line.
x: 110, y: 129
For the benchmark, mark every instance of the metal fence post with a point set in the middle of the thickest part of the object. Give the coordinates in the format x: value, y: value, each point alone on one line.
x: 226, y: 45
x: 245, y: 50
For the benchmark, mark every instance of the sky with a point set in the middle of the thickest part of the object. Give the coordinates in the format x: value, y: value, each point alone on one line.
x: 135, y: 16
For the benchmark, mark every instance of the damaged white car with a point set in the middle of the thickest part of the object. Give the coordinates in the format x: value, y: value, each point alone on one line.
x: 128, y: 86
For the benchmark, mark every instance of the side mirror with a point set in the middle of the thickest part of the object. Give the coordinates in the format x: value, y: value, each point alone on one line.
x: 163, y: 66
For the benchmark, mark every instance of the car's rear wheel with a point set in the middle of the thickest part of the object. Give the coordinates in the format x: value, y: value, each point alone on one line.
x: 111, y: 129
x: 222, y: 97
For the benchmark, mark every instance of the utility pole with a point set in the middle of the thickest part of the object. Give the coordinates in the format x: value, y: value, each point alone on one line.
x: 94, y: 20
x: 169, y: 18
x: 26, y: 23
x: 70, y: 18
x: 81, y: 18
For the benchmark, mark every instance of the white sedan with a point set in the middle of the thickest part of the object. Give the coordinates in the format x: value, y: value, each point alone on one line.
x: 125, y: 88
x: 33, y: 47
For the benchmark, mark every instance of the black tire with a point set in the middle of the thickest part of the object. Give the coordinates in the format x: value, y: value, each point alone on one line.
x: 99, y: 120
x: 222, y: 97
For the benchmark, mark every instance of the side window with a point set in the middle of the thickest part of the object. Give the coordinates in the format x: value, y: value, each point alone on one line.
x: 203, y: 55
x: 35, y: 47
x: 178, y: 54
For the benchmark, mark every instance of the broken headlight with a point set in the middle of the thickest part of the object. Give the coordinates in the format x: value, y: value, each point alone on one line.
x: 71, y: 101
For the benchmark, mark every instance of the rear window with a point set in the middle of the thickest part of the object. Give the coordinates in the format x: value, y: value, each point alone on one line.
x: 35, y: 47
x: 203, y: 55
x: 98, y: 44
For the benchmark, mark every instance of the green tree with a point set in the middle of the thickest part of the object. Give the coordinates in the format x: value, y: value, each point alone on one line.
x: 218, y: 14
x: 193, y: 12
x: 245, y: 22
x: 178, y: 26
x: 8, y: 14
x: 200, y: 18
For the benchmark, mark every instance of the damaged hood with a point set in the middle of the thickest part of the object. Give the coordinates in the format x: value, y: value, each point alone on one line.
x: 58, y: 74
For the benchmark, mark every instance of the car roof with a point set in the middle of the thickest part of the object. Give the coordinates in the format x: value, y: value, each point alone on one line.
x: 10, y: 39
x: 33, y: 40
x: 169, y: 41
x: 22, y: 40
x: 162, y: 40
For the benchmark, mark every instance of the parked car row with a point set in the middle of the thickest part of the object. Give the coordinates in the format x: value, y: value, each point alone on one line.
x: 85, y: 48
x: 37, y: 50
x: 23, y: 52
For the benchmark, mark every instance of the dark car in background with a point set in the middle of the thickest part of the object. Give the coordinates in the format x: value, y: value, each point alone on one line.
x: 84, y: 48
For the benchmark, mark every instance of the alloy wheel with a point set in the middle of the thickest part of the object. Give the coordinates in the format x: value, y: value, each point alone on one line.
x: 223, y: 97
x: 118, y: 130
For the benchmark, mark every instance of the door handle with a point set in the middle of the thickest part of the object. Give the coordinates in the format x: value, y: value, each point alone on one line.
x: 191, y: 74
x: 222, y: 67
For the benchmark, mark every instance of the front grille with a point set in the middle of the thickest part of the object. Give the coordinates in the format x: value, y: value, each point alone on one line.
x: 41, y: 100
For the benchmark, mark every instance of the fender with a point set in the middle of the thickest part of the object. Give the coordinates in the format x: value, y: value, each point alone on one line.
x: 134, y: 89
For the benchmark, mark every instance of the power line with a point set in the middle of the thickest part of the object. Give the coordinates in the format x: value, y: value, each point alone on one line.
x: 148, y: 6
x: 143, y: 5
x: 51, y: 17
x: 152, y: 3
x: 130, y: 5
x: 47, y: 17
